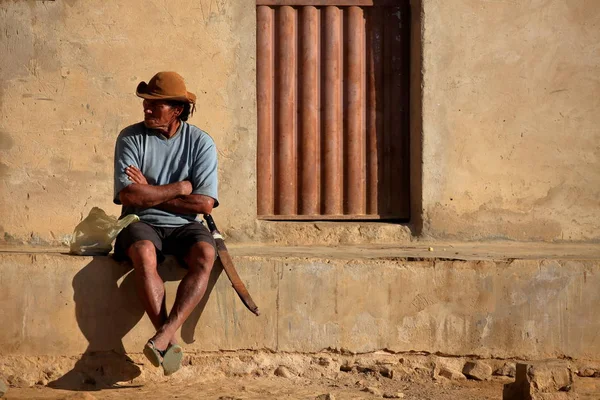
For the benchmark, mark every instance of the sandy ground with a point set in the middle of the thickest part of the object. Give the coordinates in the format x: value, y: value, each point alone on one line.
x: 348, y: 386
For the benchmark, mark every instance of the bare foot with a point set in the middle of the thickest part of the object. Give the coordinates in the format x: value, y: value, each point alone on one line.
x: 162, y: 341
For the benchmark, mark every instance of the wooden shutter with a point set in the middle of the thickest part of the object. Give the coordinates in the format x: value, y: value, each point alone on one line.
x: 332, y: 109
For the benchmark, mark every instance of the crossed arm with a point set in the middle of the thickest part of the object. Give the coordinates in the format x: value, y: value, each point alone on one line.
x: 175, y: 197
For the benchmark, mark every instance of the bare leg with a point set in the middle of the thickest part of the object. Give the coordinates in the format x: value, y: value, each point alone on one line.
x: 149, y: 284
x: 200, y: 260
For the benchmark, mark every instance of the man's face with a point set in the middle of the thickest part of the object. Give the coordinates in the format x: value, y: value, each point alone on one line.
x: 158, y: 114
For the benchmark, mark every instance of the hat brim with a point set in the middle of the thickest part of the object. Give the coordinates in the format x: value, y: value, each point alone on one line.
x: 142, y: 91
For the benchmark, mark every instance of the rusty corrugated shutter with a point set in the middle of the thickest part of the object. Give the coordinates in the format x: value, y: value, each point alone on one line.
x: 332, y: 109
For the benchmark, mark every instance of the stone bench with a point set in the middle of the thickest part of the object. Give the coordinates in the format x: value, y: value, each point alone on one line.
x: 452, y: 299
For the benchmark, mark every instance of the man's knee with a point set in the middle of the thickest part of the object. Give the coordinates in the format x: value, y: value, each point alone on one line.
x: 142, y: 253
x: 201, y: 257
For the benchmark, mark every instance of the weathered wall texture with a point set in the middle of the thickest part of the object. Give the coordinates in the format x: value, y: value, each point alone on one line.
x: 511, y: 128
x: 61, y: 305
x: 68, y: 73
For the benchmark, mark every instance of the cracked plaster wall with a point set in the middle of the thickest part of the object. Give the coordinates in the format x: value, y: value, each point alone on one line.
x: 510, y: 127
x: 68, y: 74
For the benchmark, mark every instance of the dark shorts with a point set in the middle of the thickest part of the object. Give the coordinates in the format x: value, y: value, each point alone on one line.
x: 174, y: 241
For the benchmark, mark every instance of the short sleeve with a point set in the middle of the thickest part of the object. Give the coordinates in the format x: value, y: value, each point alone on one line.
x: 204, y: 171
x: 126, y: 154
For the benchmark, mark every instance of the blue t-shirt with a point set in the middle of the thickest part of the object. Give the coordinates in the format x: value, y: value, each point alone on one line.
x: 190, y: 155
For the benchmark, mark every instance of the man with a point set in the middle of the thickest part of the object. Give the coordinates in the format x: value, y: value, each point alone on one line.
x: 166, y: 173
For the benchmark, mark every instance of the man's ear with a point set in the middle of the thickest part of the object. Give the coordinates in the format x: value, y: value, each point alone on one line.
x: 178, y: 111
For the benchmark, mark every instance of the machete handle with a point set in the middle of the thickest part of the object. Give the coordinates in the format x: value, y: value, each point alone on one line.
x: 212, y: 227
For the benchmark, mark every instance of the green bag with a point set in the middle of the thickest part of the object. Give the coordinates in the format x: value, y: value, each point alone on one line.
x: 94, y: 235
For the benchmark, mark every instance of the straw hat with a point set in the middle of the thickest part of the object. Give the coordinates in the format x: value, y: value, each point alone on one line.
x: 166, y: 85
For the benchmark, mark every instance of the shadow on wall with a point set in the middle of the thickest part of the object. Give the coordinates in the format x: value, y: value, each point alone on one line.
x: 107, y: 308
x: 416, y: 118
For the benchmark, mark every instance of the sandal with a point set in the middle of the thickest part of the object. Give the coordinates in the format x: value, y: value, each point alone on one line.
x: 171, y: 361
x: 154, y: 355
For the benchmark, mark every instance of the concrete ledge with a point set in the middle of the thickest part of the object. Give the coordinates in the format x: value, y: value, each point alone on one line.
x: 55, y: 304
x: 468, y: 251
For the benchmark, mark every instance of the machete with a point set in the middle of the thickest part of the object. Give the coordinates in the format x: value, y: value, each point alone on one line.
x: 227, y: 263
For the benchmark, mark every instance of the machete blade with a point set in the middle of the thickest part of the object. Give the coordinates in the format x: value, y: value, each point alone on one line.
x: 229, y: 268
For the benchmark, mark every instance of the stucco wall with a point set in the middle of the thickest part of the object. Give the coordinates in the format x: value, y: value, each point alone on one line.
x: 53, y: 304
x: 511, y: 128
x: 68, y: 73
x: 510, y: 137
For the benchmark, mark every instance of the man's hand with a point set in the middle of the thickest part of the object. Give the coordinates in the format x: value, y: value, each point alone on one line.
x: 186, y: 188
x: 135, y: 175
